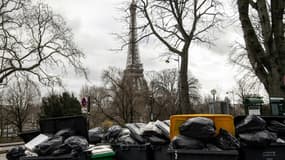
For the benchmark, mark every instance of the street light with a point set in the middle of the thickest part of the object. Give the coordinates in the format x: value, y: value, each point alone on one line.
x: 233, y: 99
x: 213, y: 92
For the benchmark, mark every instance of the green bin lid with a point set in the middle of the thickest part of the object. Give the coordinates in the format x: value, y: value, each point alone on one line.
x: 101, y: 155
x: 253, y: 100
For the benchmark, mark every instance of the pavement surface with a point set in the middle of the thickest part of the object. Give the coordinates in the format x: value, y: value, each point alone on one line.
x: 2, y: 156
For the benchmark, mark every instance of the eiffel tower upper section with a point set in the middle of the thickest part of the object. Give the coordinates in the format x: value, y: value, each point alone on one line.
x: 134, y: 64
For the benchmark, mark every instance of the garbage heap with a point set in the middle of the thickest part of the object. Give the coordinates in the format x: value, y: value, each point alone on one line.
x: 134, y: 140
x: 261, y: 137
x: 199, y: 133
x: 132, y: 133
x: 63, y: 143
x: 254, y: 131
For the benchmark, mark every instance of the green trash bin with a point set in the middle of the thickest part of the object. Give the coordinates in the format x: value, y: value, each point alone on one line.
x: 102, y: 153
x: 103, y: 156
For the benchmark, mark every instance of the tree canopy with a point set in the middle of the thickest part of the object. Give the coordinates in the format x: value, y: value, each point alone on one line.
x: 56, y: 105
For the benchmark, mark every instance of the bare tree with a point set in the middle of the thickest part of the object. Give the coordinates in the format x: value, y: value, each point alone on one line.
x: 20, y: 96
x: 127, y: 103
x: 164, y: 88
x: 262, y: 23
x: 101, y: 104
x: 177, y: 24
x: 35, y: 41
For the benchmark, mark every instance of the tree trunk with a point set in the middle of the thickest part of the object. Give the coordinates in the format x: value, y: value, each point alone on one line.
x: 183, y: 106
x: 274, y: 88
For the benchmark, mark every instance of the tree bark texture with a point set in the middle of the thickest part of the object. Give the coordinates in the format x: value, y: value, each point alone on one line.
x: 266, y: 54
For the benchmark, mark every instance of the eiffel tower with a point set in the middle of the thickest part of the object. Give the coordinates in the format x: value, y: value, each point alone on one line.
x: 133, y: 73
x: 133, y: 76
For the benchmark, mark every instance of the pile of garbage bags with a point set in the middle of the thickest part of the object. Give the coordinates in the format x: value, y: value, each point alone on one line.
x: 132, y: 133
x: 254, y: 131
x: 64, y: 142
x: 199, y: 133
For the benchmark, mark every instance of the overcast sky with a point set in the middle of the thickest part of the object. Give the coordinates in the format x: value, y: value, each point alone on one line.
x: 93, y: 21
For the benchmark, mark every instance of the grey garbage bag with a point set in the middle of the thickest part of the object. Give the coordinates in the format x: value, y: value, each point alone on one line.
x: 140, y: 125
x: 164, y: 128
x: 135, y: 133
x: 167, y: 122
x: 15, y: 153
x: 77, y: 145
x: 150, y: 129
x: 77, y: 141
x: 95, y: 135
x: 198, y: 127
x: 113, y: 133
x: 126, y: 139
x: 226, y: 141
x: 183, y: 142
x: 258, y: 139
x: 65, y: 133
x: 49, y: 146
x: 124, y: 132
x: 251, y: 123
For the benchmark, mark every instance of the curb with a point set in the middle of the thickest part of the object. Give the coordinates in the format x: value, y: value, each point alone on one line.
x: 3, y: 151
x: 9, y: 145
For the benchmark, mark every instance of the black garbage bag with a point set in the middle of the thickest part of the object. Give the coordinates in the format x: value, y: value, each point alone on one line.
x: 198, y: 127
x: 135, y: 133
x: 212, y: 147
x: 96, y: 135
x: 157, y: 140
x: 49, y: 146
x: 226, y: 141
x: 277, y: 127
x: 15, y: 153
x: 183, y: 142
x: 258, y: 139
x: 251, y: 123
x: 113, y: 133
x: 65, y: 133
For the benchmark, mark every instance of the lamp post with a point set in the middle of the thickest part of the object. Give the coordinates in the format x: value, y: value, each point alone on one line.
x: 233, y: 99
x: 213, y: 92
